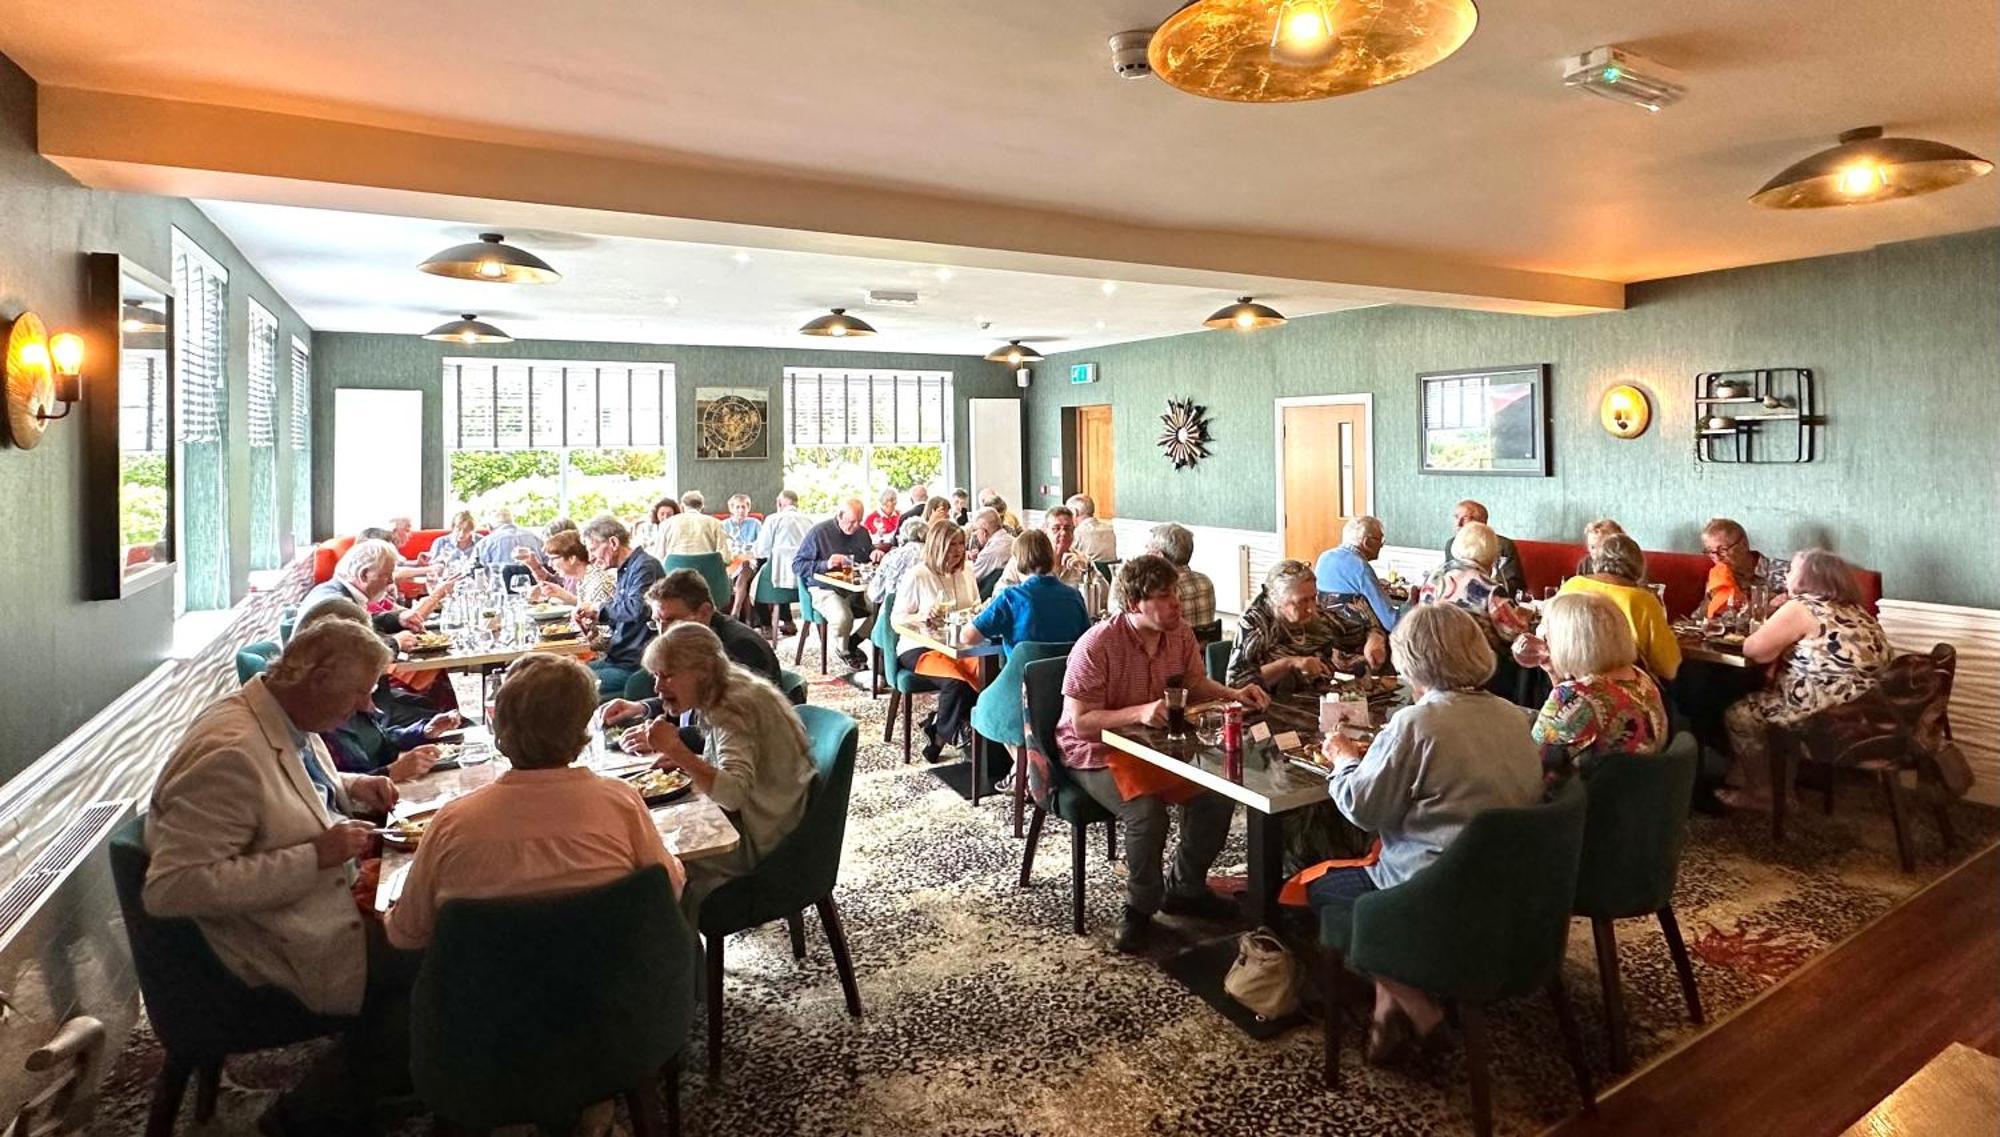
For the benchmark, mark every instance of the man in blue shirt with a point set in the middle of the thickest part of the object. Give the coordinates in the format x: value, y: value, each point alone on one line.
x: 624, y: 612
x: 496, y: 549
x: 1344, y: 572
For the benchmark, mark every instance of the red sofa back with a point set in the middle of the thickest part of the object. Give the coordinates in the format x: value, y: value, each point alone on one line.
x: 328, y: 552
x: 1547, y: 564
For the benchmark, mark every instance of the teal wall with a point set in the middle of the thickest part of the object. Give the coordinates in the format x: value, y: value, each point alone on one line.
x: 65, y: 656
x: 1905, y: 340
x: 411, y: 363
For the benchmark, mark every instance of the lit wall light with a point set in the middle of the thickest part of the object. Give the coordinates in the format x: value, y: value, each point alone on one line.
x: 1625, y: 412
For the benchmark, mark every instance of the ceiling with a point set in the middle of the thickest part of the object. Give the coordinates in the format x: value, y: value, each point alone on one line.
x: 356, y: 272
x: 1485, y: 159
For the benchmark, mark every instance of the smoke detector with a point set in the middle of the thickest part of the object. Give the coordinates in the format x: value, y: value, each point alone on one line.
x: 1620, y: 75
x: 1128, y: 54
x: 887, y: 298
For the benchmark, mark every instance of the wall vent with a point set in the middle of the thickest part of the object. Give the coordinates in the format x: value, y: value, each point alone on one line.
x: 77, y: 841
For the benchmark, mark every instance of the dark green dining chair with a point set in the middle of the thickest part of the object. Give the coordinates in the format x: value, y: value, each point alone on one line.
x: 253, y: 659
x: 713, y: 567
x: 799, y: 874
x: 288, y: 618
x: 807, y: 618
x: 1053, y: 789
x: 1108, y: 569
x: 793, y: 685
x: 199, y: 1010
x: 1000, y: 713
x: 527, y: 1011
x: 1632, y: 840
x: 1486, y: 921
x: 774, y: 599
x: 1215, y: 660
x: 902, y: 684
x: 641, y: 686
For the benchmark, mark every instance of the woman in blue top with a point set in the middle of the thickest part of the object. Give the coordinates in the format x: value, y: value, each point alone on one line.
x: 1040, y: 609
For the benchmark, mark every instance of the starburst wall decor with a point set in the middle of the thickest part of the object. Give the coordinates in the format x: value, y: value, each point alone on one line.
x: 1184, y: 435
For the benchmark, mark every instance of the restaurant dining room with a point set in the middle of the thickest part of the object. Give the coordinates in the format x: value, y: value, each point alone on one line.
x: 1067, y: 569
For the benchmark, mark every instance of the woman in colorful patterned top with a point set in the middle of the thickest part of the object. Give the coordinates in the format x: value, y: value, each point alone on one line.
x: 1286, y: 638
x: 1832, y: 652
x: 1602, y: 703
x: 1467, y: 581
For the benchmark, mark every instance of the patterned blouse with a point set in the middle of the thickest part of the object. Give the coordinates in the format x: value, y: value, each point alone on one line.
x: 593, y: 588
x: 1587, y: 717
x: 1482, y: 596
x: 1334, y: 635
x: 1836, y: 664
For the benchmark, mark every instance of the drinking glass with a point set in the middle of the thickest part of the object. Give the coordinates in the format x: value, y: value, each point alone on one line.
x: 1177, y: 721
x: 1549, y: 593
x: 1208, y: 728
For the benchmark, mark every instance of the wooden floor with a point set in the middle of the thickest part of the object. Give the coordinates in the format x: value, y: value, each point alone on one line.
x: 1816, y: 1052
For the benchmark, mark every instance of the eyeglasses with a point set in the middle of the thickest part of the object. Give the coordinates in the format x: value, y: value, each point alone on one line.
x: 1721, y: 552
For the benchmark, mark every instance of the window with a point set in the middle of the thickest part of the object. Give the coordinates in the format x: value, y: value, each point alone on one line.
x: 552, y: 438
x: 301, y: 443
x: 201, y: 346
x: 859, y: 432
x: 263, y: 411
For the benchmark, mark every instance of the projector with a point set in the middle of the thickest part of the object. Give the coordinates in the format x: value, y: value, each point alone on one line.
x: 1618, y: 74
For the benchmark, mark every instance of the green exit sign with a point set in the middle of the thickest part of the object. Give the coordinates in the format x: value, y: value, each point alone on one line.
x: 1083, y: 373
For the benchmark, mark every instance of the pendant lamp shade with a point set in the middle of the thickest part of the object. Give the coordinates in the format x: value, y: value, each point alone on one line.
x: 1014, y: 354
x: 491, y: 259
x: 468, y: 329
x: 1244, y: 315
x: 1285, y: 51
x: 1866, y: 167
x: 837, y: 323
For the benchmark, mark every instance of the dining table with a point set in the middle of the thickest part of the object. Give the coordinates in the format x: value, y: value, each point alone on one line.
x: 972, y: 776
x: 470, y: 653
x: 692, y: 827
x: 855, y: 584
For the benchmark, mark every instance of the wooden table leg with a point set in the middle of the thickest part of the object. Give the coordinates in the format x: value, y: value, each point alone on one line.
x: 1265, y: 836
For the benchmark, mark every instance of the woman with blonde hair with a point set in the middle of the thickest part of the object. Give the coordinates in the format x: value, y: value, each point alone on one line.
x: 754, y: 761
x: 1617, y: 572
x: 1593, y: 538
x: 1602, y: 702
x: 941, y: 585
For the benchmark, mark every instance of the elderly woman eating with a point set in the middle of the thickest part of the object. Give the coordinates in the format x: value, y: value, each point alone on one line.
x: 1617, y: 568
x: 1602, y: 703
x: 1830, y: 651
x: 941, y: 585
x: 1454, y: 753
x: 546, y: 827
x: 1286, y: 640
x: 575, y: 580
x: 753, y: 763
x: 1467, y: 582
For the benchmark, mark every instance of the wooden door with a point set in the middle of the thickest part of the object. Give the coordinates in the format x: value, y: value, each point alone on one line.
x: 1093, y: 458
x: 1325, y: 450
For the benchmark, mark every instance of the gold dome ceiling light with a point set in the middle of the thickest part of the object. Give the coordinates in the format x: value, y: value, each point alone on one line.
x: 1014, y: 354
x: 1244, y: 315
x: 838, y: 323
x: 1284, y: 51
x: 469, y: 329
x: 491, y: 259
x: 1866, y: 167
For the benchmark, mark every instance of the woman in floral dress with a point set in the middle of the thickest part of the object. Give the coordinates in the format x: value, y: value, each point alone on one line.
x: 1602, y: 703
x: 1832, y: 652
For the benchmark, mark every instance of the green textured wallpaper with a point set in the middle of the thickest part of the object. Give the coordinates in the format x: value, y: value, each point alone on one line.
x: 66, y: 657
x: 411, y: 363
x: 1905, y: 340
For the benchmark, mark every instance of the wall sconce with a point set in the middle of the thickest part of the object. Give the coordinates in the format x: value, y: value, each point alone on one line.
x: 66, y: 354
x: 1625, y: 411
x: 41, y: 373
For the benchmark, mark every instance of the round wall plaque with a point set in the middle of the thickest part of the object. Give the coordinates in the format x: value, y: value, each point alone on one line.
x: 31, y: 381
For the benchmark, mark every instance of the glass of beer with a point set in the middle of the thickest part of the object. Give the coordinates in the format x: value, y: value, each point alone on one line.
x: 1177, y: 719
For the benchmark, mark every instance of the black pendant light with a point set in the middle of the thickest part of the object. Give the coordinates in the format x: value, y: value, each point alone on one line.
x: 839, y: 324
x: 469, y: 329
x: 1245, y: 315
x: 491, y: 259
x: 1014, y: 354
x: 1866, y: 167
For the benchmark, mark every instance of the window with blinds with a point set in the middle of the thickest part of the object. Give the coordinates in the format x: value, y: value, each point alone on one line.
x: 262, y: 406
x: 301, y: 421
x: 858, y: 432
x: 201, y: 346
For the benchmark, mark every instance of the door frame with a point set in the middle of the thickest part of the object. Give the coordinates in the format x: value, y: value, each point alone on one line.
x: 1366, y: 401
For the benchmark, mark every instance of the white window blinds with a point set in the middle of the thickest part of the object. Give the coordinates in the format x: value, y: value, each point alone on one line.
x: 263, y: 398
x: 201, y: 341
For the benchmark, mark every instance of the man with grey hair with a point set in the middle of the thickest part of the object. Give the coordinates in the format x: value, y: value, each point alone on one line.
x: 496, y: 549
x: 1197, y: 592
x: 784, y: 530
x: 996, y: 544
x: 692, y: 532
x: 363, y: 575
x: 1071, y: 566
x: 624, y: 612
x: 1094, y: 537
x: 248, y: 836
x: 838, y: 543
x: 920, y: 496
x: 1344, y: 575
x: 1507, y: 568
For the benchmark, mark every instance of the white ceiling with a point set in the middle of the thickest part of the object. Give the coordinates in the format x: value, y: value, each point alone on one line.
x: 356, y: 272
x: 1485, y: 158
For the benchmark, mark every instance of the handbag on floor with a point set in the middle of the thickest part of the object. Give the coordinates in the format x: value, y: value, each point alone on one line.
x: 1265, y: 977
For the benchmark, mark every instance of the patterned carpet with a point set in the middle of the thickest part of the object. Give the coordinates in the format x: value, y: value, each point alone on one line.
x: 985, y: 1016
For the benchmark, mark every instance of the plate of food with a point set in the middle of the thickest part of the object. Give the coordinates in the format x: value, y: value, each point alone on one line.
x: 408, y: 832
x: 661, y: 786
x: 559, y: 633
x: 549, y: 611
x: 431, y: 641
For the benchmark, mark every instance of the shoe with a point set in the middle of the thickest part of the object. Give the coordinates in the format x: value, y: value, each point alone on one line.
x: 933, y: 751
x: 1006, y: 784
x: 1203, y: 905
x: 788, y: 629
x: 1394, y: 1041
x: 1135, y: 928
x: 854, y: 659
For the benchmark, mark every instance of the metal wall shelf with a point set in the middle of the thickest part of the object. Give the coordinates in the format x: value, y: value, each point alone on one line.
x: 1786, y: 393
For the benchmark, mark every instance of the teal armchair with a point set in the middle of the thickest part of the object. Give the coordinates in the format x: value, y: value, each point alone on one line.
x: 1054, y: 791
x: 807, y: 618
x: 1486, y: 921
x: 1215, y: 660
x: 1000, y: 714
x: 799, y: 874
x: 1632, y: 839
x: 902, y: 684
x: 713, y: 569
x: 527, y: 1011
x: 775, y: 599
x: 253, y: 659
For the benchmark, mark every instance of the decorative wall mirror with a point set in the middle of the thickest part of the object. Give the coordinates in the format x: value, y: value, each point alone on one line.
x: 129, y: 423
x: 1491, y: 420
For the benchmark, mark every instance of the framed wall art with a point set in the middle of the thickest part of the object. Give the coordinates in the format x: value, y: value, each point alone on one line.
x: 1492, y: 420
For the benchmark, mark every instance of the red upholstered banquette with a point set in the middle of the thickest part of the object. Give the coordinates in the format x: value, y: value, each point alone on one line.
x: 1547, y: 563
